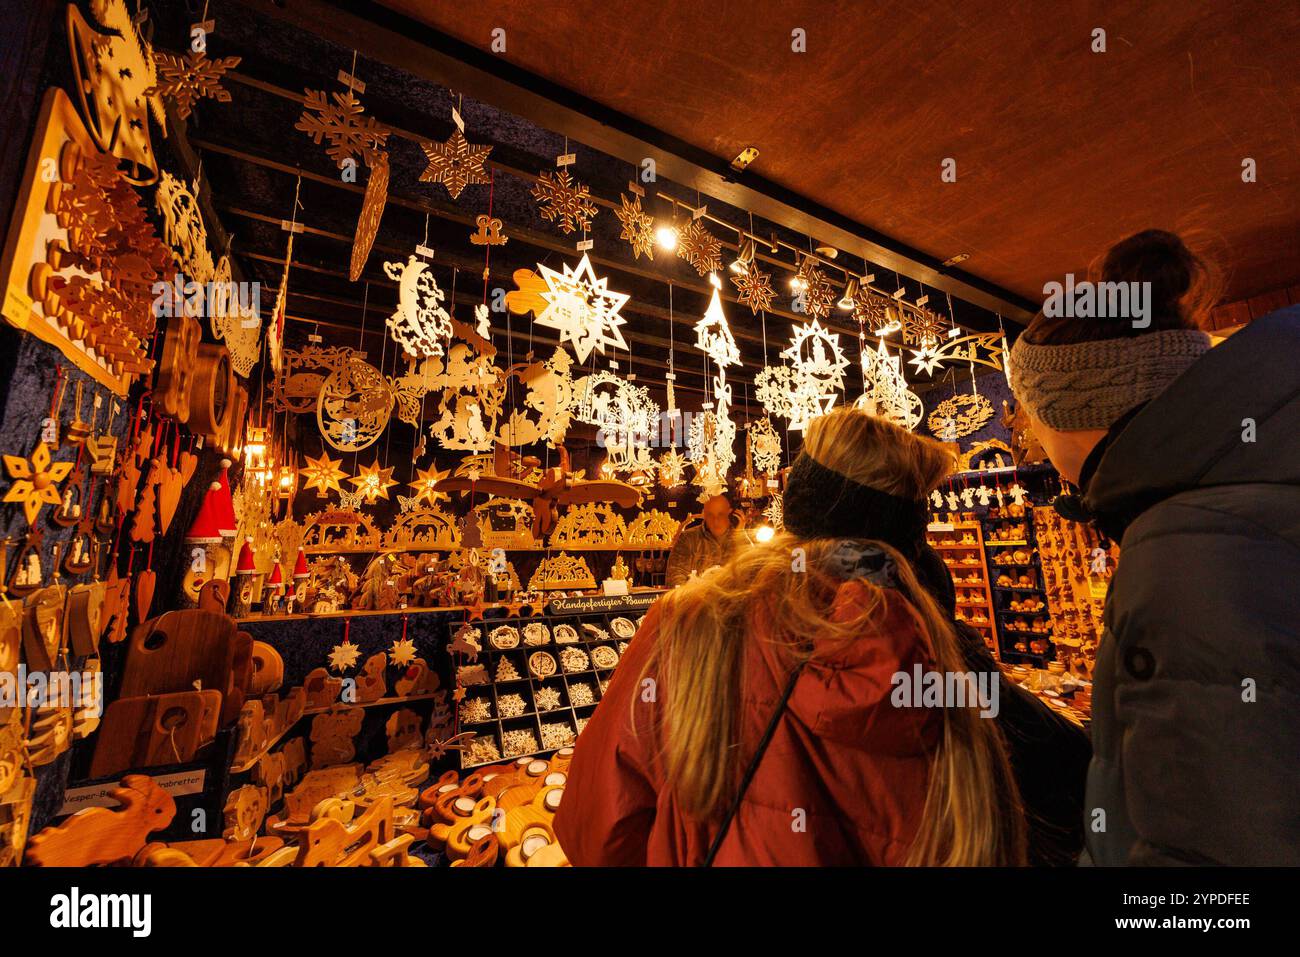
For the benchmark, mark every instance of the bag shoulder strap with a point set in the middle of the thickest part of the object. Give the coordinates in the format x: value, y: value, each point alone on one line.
x: 750, y: 771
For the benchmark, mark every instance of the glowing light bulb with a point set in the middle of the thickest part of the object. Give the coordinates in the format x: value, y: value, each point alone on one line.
x: 764, y: 533
x: 666, y: 237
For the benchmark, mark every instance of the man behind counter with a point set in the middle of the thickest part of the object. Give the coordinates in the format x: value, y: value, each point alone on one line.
x: 705, y: 545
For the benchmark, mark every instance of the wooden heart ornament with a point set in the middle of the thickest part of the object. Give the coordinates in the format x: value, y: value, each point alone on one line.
x: 188, y: 462
x: 170, y: 483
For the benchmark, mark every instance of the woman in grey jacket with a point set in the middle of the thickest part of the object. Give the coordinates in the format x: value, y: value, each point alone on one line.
x: 1189, y: 457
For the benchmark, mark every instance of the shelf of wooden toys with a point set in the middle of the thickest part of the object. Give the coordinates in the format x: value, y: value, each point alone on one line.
x: 1003, y: 544
x: 317, y: 551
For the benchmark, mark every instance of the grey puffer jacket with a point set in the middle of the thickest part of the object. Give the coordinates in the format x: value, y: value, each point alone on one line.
x: 1196, y: 704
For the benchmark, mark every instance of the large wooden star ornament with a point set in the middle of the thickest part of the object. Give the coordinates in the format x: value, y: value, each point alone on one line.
x: 322, y: 474
x: 583, y: 309
x: 424, y: 484
x: 373, y: 482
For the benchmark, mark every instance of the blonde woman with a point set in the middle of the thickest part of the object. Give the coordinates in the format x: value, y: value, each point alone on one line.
x: 755, y: 718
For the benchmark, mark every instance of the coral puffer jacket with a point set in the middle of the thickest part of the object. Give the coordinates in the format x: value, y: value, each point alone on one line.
x: 843, y: 781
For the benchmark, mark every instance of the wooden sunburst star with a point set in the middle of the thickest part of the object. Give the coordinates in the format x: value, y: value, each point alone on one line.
x: 323, y: 474
x: 754, y: 289
x: 36, y: 481
x: 456, y: 163
x: 700, y: 248
x: 402, y: 652
x: 637, y: 227
x: 373, y: 482
x: 344, y: 656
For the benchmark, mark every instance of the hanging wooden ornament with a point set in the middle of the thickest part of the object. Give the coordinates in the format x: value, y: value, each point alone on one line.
x: 420, y: 324
x: 296, y: 386
x: 117, y: 603
x: 425, y: 482
x: 754, y: 288
x: 28, y: 573
x: 818, y: 362
x: 981, y: 348
x: 185, y: 79
x: 142, y: 521
x: 765, y: 446
x: 145, y: 582
x: 339, y: 118
x: 528, y: 296
x: 488, y: 232
x: 886, y: 392
x: 672, y: 469
x: 624, y: 413
x: 373, y: 482
x: 372, y: 211
x: 873, y: 311
x: 582, y: 308
x: 353, y: 406
x: 544, y: 414
x: 35, y: 481
x: 699, y: 247
x: 713, y: 336
x: 470, y: 391
x: 560, y: 198
x: 235, y: 320
x: 638, y: 226
x: 814, y: 290
x: 960, y: 415
x: 774, y: 513
x: 183, y: 228
x: 117, y: 80
x: 456, y: 163
x: 922, y: 327
x: 70, y: 507
x: 322, y: 474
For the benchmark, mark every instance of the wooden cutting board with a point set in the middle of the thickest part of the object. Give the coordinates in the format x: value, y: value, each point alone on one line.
x: 169, y: 653
x: 146, y: 732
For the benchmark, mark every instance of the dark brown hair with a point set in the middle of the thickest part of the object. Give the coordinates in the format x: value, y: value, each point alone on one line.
x: 1184, y: 287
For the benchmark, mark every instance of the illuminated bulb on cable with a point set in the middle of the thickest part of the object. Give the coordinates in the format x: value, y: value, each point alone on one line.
x: 764, y: 533
x: 666, y: 237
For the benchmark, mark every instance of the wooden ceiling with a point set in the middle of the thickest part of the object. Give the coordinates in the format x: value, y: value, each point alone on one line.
x: 1059, y: 150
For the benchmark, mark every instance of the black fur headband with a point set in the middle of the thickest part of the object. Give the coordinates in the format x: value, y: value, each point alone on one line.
x: 821, y: 503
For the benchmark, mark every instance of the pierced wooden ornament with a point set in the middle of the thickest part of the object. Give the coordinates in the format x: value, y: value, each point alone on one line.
x: 353, y: 406
x: 322, y: 474
x: 582, y: 308
x: 653, y: 528
x: 754, y: 289
x: 420, y: 325
x: 185, y: 79
x: 637, y: 227
x: 960, y: 415
x: 456, y: 163
x: 560, y: 198
x: 562, y: 571
x: 427, y: 528
x: 699, y: 247
x: 339, y: 118
x: 339, y: 530
x: 589, y: 525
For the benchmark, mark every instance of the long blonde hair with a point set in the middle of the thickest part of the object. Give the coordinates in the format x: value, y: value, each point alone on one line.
x: 972, y: 812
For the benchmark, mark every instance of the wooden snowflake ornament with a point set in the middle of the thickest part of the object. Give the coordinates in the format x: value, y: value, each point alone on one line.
x: 816, y: 293
x: 754, y: 289
x: 638, y: 227
x: 700, y: 248
x: 457, y: 163
x: 582, y: 308
x: 35, y: 481
x: 338, y: 118
x: 560, y: 198
x: 183, y: 80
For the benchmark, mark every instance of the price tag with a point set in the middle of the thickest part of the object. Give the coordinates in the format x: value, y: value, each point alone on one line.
x: 17, y: 305
x: 290, y: 227
x: 348, y: 80
x: 423, y: 250
x: 635, y: 188
x: 456, y: 118
x: 586, y: 245
x: 566, y: 159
